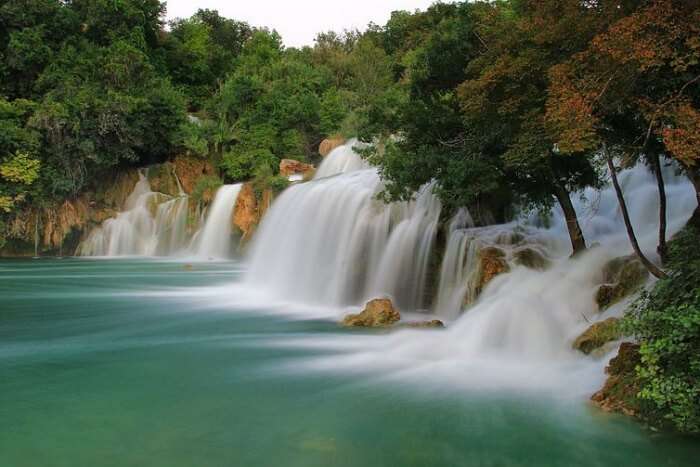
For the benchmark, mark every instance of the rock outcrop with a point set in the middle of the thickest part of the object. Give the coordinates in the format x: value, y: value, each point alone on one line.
x: 621, y: 277
x: 598, y: 334
x: 190, y: 170
x: 430, y: 324
x: 492, y: 262
x: 619, y: 394
x: 290, y: 167
x: 329, y: 144
x: 379, y: 312
x: 163, y: 179
x: 249, y: 209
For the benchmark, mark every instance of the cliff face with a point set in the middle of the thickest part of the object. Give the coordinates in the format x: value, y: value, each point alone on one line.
x: 59, y: 227
x: 249, y: 209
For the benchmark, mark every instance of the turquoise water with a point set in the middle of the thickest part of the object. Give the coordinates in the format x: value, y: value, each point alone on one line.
x: 115, y: 363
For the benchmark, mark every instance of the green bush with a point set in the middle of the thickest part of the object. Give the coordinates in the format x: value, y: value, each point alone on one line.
x: 666, y: 321
x: 205, y: 188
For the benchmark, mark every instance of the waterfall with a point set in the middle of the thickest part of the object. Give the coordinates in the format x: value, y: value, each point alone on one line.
x: 214, y: 239
x: 150, y: 224
x: 331, y: 242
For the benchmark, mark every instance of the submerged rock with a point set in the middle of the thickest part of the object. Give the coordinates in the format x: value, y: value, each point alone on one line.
x: 290, y: 167
x: 619, y: 394
x: 329, y: 144
x: 622, y: 276
x: 377, y: 313
x: 492, y: 262
x: 598, y: 335
x: 433, y: 323
x: 530, y: 258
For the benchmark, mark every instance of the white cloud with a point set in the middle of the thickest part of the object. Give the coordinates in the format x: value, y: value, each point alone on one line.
x: 298, y: 21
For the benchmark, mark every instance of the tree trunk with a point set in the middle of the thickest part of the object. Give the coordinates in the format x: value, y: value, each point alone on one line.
x: 651, y: 267
x: 661, y: 248
x: 578, y: 243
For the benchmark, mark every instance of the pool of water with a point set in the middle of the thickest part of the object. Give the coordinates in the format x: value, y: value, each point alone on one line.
x: 134, y: 363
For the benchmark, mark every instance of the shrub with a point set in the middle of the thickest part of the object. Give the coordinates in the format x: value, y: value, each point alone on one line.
x: 666, y: 321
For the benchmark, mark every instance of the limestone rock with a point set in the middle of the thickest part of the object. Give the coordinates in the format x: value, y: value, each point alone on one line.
x: 329, y: 144
x: 289, y: 167
x: 597, y: 335
x: 377, y: 313
x: 245, y: 212
x: 492, y: 262
x: 115, y: 192
x: 190, y: 169
x: 621, y: 276
x: 530, y: 258
x: 619, y: 394
x: 162, y: 179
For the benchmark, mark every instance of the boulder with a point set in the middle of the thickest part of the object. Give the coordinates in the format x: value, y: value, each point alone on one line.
x: 619, y: 394
x: 598, y: 334
x: 329, y: 144
x: 289, y: 167
x: 530, y: 258
x: 492, y: 262
x: 379, y: 312
x: 621, y: 276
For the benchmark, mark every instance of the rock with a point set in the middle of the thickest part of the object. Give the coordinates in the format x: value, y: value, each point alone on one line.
x: 621, y: 276
x: 190, y: 169
x: 329, y: 144
x: 433, y: 323
x: 377, y: 313
x: 188, y: 267
x: 162, y: 179
x: 619, y: 394
x: 289, y: 167
x: 114, y: 193
x: 530, y: 258
x: 245, y: 212
x: 598, y: 334
x: 492, y: 262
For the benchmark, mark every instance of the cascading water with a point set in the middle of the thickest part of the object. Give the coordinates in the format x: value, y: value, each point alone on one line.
x: 331, y: 242
x: 214, y: 239
x: 324, y: 242
x: 151, y: 224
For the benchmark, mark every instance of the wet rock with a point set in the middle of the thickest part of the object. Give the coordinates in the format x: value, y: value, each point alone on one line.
x: 530, y: 258
x: 621, y: 276
x: 492, y: 262
x: 598, y: 334
x: 245, y: 212
x: 619, y: 394
x: 162, y: 179
x: 289, y: 167
x: 190, y: 170
x: 433, y: 323
x: 113, y: 193
x: 379, y: 312
x: 329, y: 144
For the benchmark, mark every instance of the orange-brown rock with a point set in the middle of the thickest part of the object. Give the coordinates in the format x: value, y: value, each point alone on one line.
x: 329, y: 144
x: 433, y: 323
x: 289, y: 167
x: 379, y: 312
x: 619, y: 394
x: 117, y: 190
x: 190, y: 169
x: 492, y: 262
x: 245, y: 212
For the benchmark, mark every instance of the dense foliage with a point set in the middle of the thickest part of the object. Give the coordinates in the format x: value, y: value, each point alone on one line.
x: 667, y: 323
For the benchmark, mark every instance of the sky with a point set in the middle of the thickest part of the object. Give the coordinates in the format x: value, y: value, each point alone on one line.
x: 298, y: 21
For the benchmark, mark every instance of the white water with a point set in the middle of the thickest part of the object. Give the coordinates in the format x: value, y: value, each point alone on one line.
x: 330, y: 242
x: 151, y: 224
x: 214, y: 239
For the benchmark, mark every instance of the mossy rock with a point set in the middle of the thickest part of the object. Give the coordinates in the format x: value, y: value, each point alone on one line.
x: 530, y: 258
x: 162, y: 179
x: 379, y: 312
x: 619, y: 394
x: 598, y: 335
x: 622, y: 276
